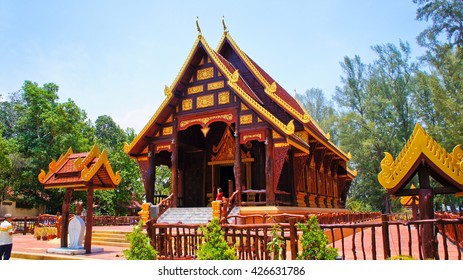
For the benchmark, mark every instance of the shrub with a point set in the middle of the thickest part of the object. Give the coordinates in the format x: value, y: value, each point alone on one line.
x: 140, y: 247
x: 215, y: 246
x: 401, y: 258
x: 315, y: 242
x: 277, y: 243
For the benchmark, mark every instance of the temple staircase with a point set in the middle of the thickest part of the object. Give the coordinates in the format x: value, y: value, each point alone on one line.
x: 190, y: 215
x: 110, y: 238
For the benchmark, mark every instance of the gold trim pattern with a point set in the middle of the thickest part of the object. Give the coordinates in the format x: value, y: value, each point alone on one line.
x: 54, y: 166
x: 215, y: 85
x: 80, y: 163
x: 270, y: 89
x: 163, y: 147
x: 167, y: 130
x: 187, y: 104
x: 224, y: 97
x: 88, y: 174
x: 205, y: 73
x: 205, y: 101
x: 254, y: 136
x: 195, y: 89
x: 246, y: 119
x: 204, y: 121
x: 420, y: 143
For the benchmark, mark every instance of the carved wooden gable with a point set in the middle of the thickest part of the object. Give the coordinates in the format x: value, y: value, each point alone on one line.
x: 225, y: 150
x: 207, y: 88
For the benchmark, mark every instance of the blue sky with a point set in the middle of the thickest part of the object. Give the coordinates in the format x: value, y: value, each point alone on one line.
x: 114, y: 57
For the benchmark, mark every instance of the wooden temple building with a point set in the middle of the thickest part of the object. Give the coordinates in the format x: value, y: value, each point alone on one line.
x: 226, y: 123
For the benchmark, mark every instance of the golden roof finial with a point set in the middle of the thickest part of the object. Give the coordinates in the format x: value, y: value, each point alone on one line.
x: 197, y: 25
x: 224, y: 26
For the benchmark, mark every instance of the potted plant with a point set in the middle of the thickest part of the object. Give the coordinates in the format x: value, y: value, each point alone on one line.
x: 38, y: 231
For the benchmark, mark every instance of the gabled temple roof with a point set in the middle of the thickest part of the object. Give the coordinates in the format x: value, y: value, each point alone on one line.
x: 444, y: 167
x: 295, y: 112
x: 78, y: 170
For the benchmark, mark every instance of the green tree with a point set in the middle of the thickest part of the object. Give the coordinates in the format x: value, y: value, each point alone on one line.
x: 111, y: 137
x: 446, y: 18
x: 43, y: 129
x: 376, y: 116
x: 320, y: 109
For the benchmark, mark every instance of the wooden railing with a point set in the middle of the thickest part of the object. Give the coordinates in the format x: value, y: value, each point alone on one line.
x: 165, y: 204
x: 253, y: 198
x: 228, y: 206
x: 23, y: 225
x: 50, y: 220
x: 368, y: 240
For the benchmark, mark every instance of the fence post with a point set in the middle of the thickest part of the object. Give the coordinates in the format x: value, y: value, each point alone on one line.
x: 293, y: 237
x: 385, y: 229
x: 25, y: 226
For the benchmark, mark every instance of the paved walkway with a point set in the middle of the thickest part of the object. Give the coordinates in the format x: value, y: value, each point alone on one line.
x: 28, y: 247
x: 399, y: 244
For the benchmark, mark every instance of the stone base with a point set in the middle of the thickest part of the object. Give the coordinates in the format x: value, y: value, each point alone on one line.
x: 69, y: 251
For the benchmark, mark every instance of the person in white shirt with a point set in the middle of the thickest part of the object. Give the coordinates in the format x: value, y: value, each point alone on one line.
x: 6, y: 237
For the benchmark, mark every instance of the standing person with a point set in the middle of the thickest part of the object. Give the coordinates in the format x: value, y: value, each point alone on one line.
x: 6, y: 237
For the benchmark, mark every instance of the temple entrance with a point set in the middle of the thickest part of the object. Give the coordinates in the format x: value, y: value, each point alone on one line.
x: 194, y: 192
x: 225, y: 174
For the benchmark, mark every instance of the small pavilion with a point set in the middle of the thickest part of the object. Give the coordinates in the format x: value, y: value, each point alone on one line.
x: 80, y: 172
x: 422, y: 155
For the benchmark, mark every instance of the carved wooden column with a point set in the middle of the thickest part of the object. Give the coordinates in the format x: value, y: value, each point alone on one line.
x: 151, y: 175
x: 65, y: 218
x: 426, y: 197
x: 89, y: 226
x: 174, y: 158
x: 269, y: 168
x: 237, y: 163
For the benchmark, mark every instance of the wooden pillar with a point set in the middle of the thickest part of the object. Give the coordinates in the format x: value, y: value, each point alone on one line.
x: 385, y: 231
x: 426, y: 197
x: 269, y: 168
x: 65, y: 217
x: 174, y: 159
x: 151, y: 176
x: 89, y: 226
x: 237, y: 163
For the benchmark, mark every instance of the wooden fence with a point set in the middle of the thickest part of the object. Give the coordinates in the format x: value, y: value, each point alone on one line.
x: 365, y: 239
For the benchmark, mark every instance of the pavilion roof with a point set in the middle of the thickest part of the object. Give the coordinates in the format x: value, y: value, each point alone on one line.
x: 78, y: 170
x: 422, y: 149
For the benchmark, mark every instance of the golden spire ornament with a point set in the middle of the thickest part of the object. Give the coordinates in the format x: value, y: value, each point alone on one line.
x: 224, y: 26
x: 197, y: 25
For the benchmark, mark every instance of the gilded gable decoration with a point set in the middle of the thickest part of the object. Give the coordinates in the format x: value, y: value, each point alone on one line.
x: 196, y: 89
x: 205, y: 120
x: 167, y: 130
x: 205, y: 101
x: 204, y: 74
x: 187, y: 104
x: 224, y: 97
x: 245, y: 137
x: 215, y: 85
x: 246, y: 119
x: 225, y: 150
